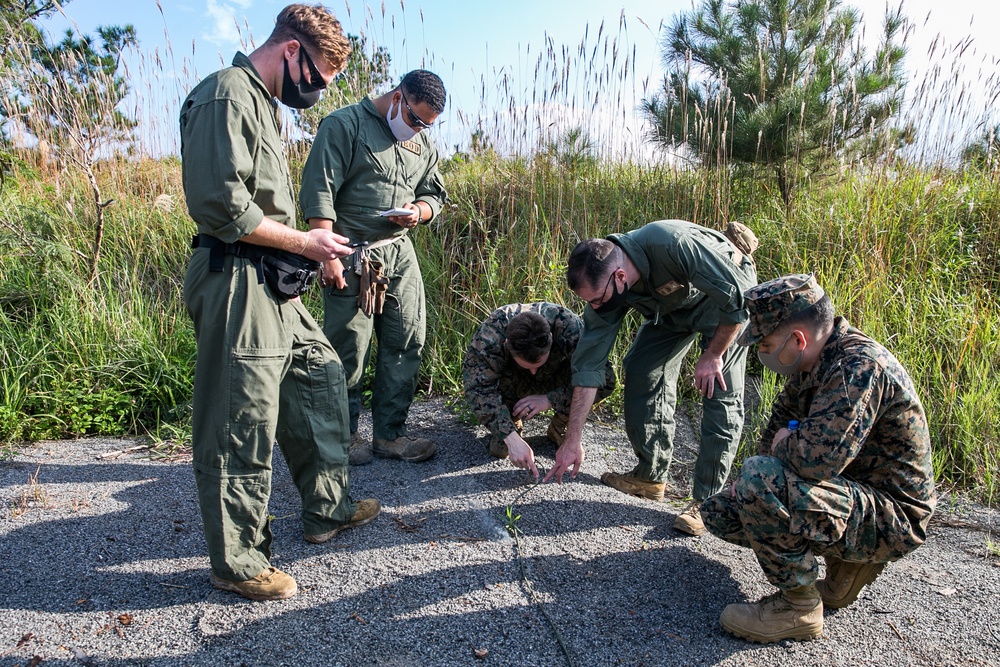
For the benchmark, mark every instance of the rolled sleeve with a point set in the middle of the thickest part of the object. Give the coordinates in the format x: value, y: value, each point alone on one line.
x: 430, y: 189
x: 218, y: 148
x: 592, y: 351
x: 326, y: 168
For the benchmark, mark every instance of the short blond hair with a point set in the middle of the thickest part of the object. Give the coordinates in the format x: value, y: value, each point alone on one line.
x: 317, y: 28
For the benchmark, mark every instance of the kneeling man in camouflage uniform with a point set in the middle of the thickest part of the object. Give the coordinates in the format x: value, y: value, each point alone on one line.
x: 518, y: 366
x: 843, y: 469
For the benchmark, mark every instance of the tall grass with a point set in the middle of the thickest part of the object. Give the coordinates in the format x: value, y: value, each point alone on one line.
x: 907, y: 246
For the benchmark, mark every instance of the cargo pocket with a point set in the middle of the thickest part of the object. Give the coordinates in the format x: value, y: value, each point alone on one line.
x: 819, y: 510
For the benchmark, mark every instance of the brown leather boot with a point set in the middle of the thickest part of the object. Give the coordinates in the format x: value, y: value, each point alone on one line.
x: 271, y: 584
x: 634, y: 486
x: 365, y: 511
x: 844, y: 581
x: 404, y: 447
x: 796, y: 613
x: 689, y: 521
x: 360, y: 452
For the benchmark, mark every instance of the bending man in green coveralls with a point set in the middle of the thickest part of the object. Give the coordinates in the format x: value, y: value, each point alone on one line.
x: 265, y: 371
x: 687, y: 281
x: 843, y: 469
x: 370, y: 158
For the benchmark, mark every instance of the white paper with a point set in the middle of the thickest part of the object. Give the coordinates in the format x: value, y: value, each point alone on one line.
x: 395, y: 211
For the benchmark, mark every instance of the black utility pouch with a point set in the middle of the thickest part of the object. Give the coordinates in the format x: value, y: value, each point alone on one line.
x: 287, y: 274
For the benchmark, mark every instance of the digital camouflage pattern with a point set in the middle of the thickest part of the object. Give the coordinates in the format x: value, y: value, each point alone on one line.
x: 773, y: 302
x: 855, y: 479
x: 494, y: 382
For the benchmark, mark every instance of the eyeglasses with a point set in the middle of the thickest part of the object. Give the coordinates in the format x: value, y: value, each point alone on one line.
x: 595, y: 304
x: 315, y: 78
x: 414, y: 119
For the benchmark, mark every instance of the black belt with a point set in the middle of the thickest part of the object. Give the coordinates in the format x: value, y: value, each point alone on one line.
x: 218, y: 250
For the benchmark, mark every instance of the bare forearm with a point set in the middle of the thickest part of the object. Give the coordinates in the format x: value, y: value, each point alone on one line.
x: 273, y: 234
x: 724, y: 336
x: 583, y: 401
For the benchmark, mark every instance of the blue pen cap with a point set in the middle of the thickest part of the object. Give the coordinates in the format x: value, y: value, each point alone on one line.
x: 793, y: 425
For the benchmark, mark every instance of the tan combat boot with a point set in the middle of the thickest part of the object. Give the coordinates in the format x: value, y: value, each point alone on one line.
x: 844, y: 581
x: 405, y: 448
x: 689, y: 521
x: 634, y: 486
x: 360, y: 452
x: 793, y: 614
x: 365, y: 511
x: 271, y: 584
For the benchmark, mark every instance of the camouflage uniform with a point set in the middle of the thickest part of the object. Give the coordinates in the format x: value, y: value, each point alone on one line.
x: 494, y: 382
x: 854, y: 481
x: 691, y: 280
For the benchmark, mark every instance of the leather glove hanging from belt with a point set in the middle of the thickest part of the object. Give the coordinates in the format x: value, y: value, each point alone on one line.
x: 743, y: 238
x: 373, y: 286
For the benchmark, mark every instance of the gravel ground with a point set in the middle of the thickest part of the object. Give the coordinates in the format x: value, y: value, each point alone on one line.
x: 104, y: 564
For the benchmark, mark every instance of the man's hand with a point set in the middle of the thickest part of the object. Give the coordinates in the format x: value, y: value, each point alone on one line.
x: 707, y: 372
x: 569, y: 455
x: 520, y: 454
x: 408, y: 221
x: 322, y: 245
x: 333, y: 274
x: 531, y: 406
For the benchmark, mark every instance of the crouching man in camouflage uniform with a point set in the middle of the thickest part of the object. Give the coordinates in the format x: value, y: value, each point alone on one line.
x: 518, y: 366
x: 843, y: 469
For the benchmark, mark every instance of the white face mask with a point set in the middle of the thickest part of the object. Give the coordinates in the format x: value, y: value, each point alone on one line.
x: 400, y: 129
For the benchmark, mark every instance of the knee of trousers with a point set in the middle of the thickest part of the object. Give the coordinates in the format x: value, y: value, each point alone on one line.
x: 761, y: 478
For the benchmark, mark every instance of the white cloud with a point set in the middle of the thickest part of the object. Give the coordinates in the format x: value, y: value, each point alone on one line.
x: 225, y: 17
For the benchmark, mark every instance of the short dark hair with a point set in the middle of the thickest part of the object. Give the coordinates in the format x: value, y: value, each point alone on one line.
x: 589, y: 262
x: 529, y: 336
x: 427, y: 87
x: 817, y: 317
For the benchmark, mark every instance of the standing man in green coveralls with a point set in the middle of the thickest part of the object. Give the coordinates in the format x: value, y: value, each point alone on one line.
x: 264, y: 371
x: 370, y: 158
x: 687, y: 281
x: 843, y: 469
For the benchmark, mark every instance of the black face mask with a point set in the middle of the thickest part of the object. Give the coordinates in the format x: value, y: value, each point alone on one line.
x: 614, y: 301
x: 301, y: 95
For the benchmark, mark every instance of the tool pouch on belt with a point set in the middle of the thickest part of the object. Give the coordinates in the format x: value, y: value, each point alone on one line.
x: 287, y: 274
x: 373, y: 285
x: 742, y: 237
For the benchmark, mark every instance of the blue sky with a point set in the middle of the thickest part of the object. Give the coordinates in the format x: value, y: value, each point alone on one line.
x: 491, y: 46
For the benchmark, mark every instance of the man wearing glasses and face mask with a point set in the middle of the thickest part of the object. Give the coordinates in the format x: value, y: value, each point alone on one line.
x: 687, y: 281
x: 843, y: 468
x: 265, y: 372
x: 370, y: 158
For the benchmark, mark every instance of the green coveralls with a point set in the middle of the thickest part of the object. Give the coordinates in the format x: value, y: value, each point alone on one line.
x: 688, y: 286
x: 854, y: 481
x: 355, y: 169
x: 264, y: 369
